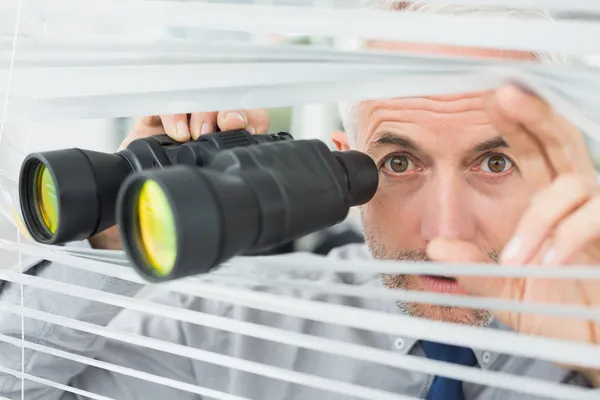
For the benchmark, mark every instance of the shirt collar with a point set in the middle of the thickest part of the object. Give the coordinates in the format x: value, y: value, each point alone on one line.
x: 409, y: 344
x: 485, y: 359
x: 405, y: 345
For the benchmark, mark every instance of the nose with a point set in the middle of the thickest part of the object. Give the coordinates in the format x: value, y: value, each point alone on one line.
x: 447, y: 211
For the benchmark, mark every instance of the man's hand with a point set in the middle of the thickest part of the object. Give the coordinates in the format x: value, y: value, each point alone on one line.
x: 185, y: 127
x: 560, y: 227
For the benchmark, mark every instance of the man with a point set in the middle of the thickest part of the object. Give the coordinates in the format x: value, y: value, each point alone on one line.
x: 472, y: 177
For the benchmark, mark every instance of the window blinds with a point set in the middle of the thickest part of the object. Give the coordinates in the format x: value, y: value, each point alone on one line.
x: 67, y: 59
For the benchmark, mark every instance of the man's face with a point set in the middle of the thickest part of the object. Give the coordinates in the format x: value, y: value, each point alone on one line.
x: 444, y: 172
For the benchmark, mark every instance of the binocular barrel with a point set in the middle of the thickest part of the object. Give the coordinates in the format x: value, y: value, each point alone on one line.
x: 185, y: 220
x: 71, y: 194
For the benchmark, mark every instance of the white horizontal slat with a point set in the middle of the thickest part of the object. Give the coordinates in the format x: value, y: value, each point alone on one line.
x: 251, y: 96
x: 574, y: 94
x: 556, y: 5
x: 329, y: 385
x: 483, y: 377
x: 82, y: 81
x: 261, y: 66
x: 410, y: 296
x: 425, y: 268
x: 248, y: 96
x: 213, y: 394
x: 479, y: 31
x: 83, y: 393
x: 299, y: 263
x: 370, y: 292
x: 182, y: 49
x: 505, y: 342
x: 203, y: 61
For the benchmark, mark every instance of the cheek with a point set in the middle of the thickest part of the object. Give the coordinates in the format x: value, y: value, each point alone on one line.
x: 498, y: 216
x: 394, y: 216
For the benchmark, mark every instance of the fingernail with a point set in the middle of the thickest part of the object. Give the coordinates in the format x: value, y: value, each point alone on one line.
x: 206, y: 128
x: 549, y: 257
x: 512, y: 249
x: 183, y: 132
x: 507, y: 93
x: 251, y: 130
x: 235, y: 118
x: 194, y: 130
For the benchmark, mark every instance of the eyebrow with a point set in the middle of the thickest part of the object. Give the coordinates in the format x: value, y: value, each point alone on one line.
x: 388, y: 138
x: 493, y: 143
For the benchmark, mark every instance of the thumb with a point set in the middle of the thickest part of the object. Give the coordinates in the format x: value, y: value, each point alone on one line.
x: 460, y: 252
x: 455, y: 251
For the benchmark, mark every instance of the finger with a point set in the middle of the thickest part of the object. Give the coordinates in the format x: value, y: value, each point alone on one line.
x: 203, y: 123
x: 560, y: 141
x: 255, y: 121
x: 545, y: 211
x: 148, y: 122
x: 457, y: 251
x: 575, y: 233
x: 133, y: 135
x: 176, y: 126
x: 144, y: 127
x: 525, y: 148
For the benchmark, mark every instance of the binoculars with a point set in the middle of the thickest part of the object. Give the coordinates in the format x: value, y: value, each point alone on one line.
x: 184, y: 208
x: 69, y: 195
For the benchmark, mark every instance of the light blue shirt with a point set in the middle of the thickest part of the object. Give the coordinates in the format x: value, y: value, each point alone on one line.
x: 228, y: 380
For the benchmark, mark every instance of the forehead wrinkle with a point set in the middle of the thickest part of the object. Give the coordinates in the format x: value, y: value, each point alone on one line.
x: 447, y: 112
x: 411, y: 123
x: 431, y: 121
x: 437, y: 105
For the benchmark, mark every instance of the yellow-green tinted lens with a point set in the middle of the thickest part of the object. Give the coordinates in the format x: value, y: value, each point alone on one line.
x: 45, y: 198
x: 156, y: 228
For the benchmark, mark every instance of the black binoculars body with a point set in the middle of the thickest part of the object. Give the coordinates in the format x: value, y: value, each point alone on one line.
x: 248, y: 199
x: 77, y: 199
x: 184, y: 209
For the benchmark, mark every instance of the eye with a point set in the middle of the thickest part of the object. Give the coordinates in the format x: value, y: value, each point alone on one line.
x: 496, y: 164
x: 398, y: 164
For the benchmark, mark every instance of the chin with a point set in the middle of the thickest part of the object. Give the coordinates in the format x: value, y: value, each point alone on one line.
x: 455, y: 315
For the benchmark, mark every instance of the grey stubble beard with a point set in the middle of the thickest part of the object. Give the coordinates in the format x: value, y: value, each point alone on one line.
x: 472, y: 317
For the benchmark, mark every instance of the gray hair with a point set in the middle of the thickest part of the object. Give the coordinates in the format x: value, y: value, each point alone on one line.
x: 348, y: 110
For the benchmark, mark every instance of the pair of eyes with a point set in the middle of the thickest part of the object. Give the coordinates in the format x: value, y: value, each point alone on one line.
x: 493, y: 164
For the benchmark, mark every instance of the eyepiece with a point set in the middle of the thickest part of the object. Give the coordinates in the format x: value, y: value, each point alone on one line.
x: 363, y: 179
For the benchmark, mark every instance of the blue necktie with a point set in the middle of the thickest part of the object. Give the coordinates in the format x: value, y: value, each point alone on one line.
x: 444, y: 388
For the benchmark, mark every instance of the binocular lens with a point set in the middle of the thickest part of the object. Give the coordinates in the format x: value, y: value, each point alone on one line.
x: 156, y: 232
x: 45, y: 198
x: 69, y: 195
